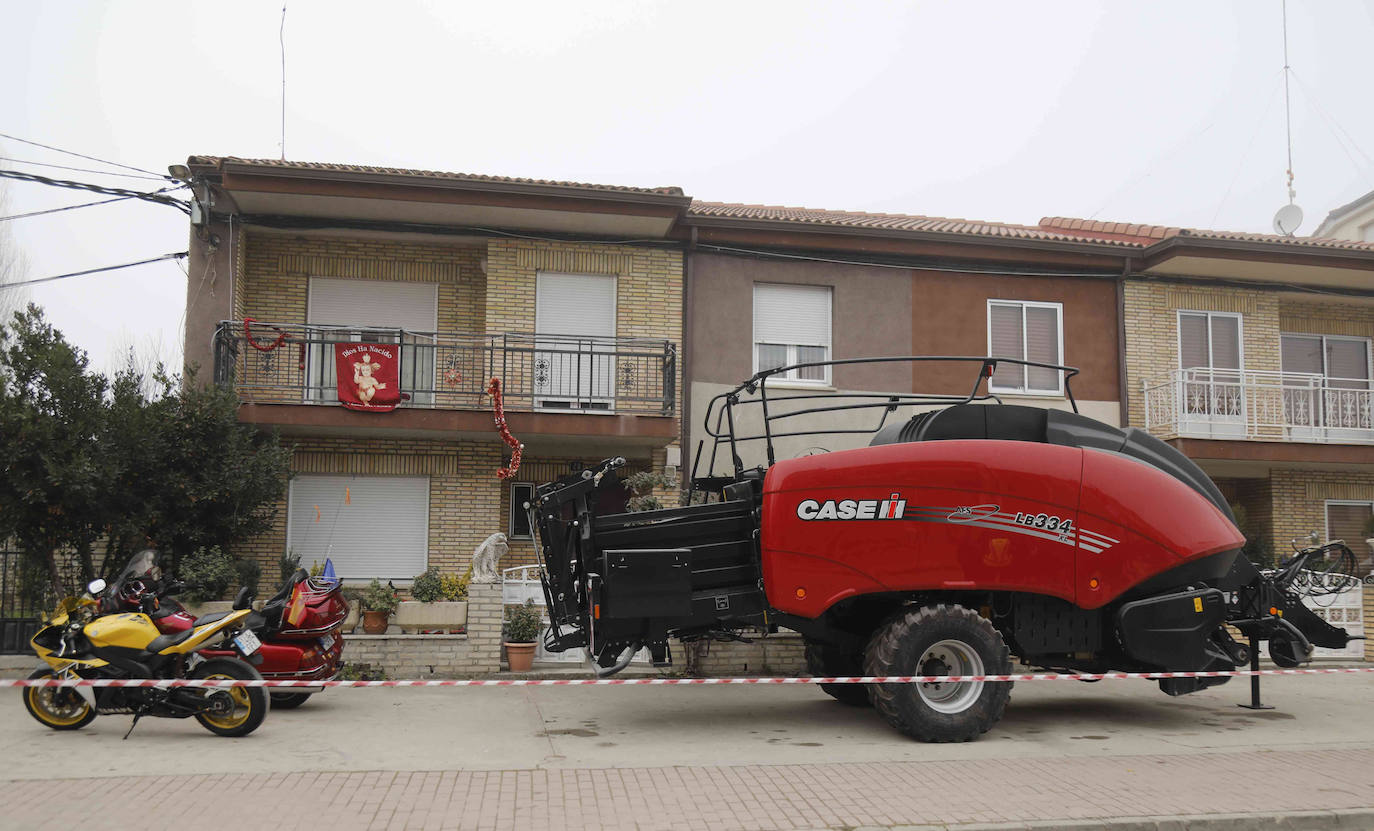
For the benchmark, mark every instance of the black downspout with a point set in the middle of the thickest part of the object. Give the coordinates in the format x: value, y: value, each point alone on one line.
x: 685, y: 362
x: 1123, y: 388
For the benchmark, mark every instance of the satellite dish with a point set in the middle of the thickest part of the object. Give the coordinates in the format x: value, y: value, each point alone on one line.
x: 1287, y: 220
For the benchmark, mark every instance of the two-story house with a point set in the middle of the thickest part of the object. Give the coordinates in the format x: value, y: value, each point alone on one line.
x: 457, y: 279
x: 1251, y: 353
x: 773, y: 286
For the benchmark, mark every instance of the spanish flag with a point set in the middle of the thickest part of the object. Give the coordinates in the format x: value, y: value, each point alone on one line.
x: 295, y: 612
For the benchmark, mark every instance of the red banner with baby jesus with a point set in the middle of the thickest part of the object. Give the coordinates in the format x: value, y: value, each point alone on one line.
x: 368, y: 376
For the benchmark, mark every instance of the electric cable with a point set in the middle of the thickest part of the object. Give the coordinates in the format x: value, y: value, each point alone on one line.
x: 1337, y: 131
x: 150, y: 196
x: 82, y: 169
x: 176, y: 255
x: 82, y: 205
x: 83, y: 156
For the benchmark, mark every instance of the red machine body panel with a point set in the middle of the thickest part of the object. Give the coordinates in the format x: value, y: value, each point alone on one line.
x: 1082, y: 525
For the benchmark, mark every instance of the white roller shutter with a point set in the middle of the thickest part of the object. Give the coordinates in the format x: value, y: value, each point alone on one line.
x: 374, y: 304
x: 371, y: 526
x: 575, y: 304
x: 787, y: 314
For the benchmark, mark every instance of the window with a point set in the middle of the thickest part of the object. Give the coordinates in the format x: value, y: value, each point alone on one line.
x: 376, y: 312
x: 574, y: 320
x: 370, y: 526
x: 1349, y: 521
x: 1209, y: 341
x: 792, y: 326
x: 1209, y: 354
x: 1338, y: 396
x: 1030, y: 332
x: 520, y: 493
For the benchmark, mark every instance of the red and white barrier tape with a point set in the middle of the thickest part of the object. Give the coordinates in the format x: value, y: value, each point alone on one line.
x: 668, y: 682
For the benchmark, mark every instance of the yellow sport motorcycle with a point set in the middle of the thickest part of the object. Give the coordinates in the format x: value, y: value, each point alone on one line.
x: 80, y: 642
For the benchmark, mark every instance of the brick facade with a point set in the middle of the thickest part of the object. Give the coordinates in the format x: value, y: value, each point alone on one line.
x: 1152, y: 330
x: 1286, y: 502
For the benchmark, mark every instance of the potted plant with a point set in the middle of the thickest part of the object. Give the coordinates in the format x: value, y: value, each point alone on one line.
x: 522, y: 628
x: 440, y: 603
x: 379, y: 603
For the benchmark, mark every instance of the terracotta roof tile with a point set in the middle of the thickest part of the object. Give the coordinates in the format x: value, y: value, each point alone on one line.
x: 219, y: 161
x: 1147, y: 234
x: 900, y: 222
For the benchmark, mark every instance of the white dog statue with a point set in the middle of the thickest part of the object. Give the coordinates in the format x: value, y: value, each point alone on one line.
x: 485, y: 558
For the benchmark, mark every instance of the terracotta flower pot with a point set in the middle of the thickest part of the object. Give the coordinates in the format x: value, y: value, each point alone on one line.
x: 375, y: 623
x: 520, y: 656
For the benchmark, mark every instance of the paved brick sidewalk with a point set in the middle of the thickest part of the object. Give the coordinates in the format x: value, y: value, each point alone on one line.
x: 712, y: 797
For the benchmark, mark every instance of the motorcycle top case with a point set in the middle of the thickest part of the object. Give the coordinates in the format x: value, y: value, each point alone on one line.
x: 1079, y: 524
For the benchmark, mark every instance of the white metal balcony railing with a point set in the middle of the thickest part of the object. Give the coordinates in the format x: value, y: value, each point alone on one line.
x: 1259, y: 406
x: 538, y: 372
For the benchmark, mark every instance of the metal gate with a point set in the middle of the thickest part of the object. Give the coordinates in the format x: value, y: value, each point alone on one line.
x: 18, y: 616
x: 522, y: 583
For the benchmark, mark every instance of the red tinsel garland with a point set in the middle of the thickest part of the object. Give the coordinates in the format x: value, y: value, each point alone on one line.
x: 494, y: 390
x: 248, y: 332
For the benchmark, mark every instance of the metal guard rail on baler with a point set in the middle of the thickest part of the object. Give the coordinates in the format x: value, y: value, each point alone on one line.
x: 723, y: 405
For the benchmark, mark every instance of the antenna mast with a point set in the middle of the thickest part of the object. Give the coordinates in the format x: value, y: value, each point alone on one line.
x: 280, y: 36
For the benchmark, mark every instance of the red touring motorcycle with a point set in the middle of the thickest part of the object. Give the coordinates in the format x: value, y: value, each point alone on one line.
x: 299, y: 626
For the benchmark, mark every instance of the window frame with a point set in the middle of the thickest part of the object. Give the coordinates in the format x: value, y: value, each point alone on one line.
x: 514, y: 507
x: 791, y: 377
x: 1211, y: 361
x: 346, y: 480
x: 1325, y: 374
x: 1025, y: 388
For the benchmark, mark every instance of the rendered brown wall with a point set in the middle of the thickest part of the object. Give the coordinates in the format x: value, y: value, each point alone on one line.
x: 949, y: 317
x: 869, y: 316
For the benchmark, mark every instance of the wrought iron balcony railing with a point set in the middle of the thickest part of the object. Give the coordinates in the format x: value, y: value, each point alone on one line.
x: 1260, y: 406
x: 294, y: 364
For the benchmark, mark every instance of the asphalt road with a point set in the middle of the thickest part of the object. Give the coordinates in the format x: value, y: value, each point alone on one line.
x: 1061, y: 729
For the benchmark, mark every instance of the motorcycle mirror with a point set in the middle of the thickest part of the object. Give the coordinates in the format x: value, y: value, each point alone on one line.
x: 96, y: 586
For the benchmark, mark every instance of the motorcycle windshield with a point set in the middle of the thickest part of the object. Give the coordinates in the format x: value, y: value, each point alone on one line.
x: 142, y: 566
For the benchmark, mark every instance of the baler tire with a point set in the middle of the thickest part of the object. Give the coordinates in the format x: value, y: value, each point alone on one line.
x: 928, y: 712
x: 825, y: 660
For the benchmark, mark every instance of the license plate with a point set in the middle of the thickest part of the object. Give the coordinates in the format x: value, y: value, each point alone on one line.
x: 326, y: 642
x: 248, y: 643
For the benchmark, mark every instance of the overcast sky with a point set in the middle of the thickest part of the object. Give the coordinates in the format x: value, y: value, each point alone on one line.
x: 1160, y: 112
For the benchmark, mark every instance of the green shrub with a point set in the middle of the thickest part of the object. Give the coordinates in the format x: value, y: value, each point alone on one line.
x: 207, y: 573
x: 289, y: 562
x: 427, y: 587
x: 455, y: 587
x: 249, y: 573
x: 379, y: 598
x: 523, y: 623
x: 642, y: 485
x: 361, y: 672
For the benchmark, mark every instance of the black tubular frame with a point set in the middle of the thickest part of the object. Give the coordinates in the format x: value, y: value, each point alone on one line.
x: 722, y: 406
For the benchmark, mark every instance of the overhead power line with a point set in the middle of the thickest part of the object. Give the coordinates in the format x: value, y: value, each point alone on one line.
x: 174, y: 256
x: 83, y: 169
x: 151, y: 196
x: 74, y: 207
x: 83, y: 156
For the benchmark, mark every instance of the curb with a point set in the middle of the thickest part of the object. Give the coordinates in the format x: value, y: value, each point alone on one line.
x: 1344, y: 818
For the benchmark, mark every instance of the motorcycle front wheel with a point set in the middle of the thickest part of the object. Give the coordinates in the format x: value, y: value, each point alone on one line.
x: 232, y: 711
x: 61, y: 708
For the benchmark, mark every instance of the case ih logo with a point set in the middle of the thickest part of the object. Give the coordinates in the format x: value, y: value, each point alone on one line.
x: 890, y: 508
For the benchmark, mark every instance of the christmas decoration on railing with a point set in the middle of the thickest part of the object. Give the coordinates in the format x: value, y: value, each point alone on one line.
x: 452, y: 376
x: 248, y: 322
x: 494, y: 390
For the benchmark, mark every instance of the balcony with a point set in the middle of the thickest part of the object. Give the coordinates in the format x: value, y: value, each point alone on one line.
x: 294, y: 364
x: 1259, y: 406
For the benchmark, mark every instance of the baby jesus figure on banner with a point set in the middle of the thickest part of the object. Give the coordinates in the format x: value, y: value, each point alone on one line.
x: 366, y: 385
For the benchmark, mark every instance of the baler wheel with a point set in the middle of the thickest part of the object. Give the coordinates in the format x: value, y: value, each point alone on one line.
x: 939, y: 640
x: 827, y: 660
